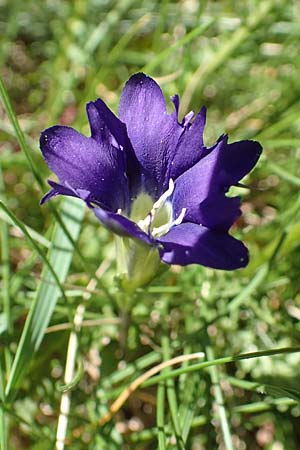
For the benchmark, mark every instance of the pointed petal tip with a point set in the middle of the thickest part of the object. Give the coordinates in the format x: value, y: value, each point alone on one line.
x: 46, y: 135
x: 121, y: 225
x: 189, y: 243
x: 176, y: 101
x: 139, y: 76
x: 50, y: 194
x: 256, y: 145
x: 140, y: 81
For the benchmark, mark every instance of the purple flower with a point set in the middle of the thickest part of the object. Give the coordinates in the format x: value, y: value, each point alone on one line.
x: 149, y: 177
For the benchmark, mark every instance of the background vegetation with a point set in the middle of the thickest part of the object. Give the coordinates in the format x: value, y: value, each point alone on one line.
x: 240, y: 59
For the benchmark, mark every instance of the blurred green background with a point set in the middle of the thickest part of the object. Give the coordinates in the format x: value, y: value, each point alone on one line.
x: 241, y: 60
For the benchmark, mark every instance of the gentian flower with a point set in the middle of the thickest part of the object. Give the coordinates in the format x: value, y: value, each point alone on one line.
x: 149, y: 178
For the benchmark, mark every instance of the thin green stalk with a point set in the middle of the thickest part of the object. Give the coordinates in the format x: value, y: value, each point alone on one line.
x: 171, y: 395
x: 19, y: 134
x: 216, y: 362
x: 290, y: 117
x: 24, y: 147
x: 249, y: 289
x: 284, y: 174
x: 160, y: 419
x: 162, y: 56
x: 59, y: 256
x: 39, y: 238
x: 218, y: 394
x: 131, y: 369
x: 258, y: 278
x: 22, y: 227
x: 5, y: 258
x: 265, y: 405
x: 187, y: 412
x: 201, y: 75
x: 162, y: 19
x: 5, y: 265
x: 3, y: 430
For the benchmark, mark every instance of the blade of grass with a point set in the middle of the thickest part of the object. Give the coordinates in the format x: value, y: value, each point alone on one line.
x: 22, y: 227
x: 171, y: 395
x: 151, y: 433
x: 125, y: 394
x: 187, y: 411
x: 290, y: 116
x: 113, y: 56
x: 259, y: 277
x: 59, y: 256
x: 188, y: 395
x: 6, y: 294
x: 178, y: 44
x: 262, y: 388
x: 216, y: 362
x: 19, y: 134
x: 24, y: 147
x: 256, y: 281
x: 131, y: 369
x: 218, y: 394
x: 275, y: 143
x: 224, y: 52
x: 100, y: 33
x: 3, y: 430
x: 162, y: 20
x: 265, y: 405
x: 284, y: 174
x: 5, y: 264
x: 34, y: 234
x: 160, y: 419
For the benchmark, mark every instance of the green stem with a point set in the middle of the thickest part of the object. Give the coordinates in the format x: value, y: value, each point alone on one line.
x: 217, y: 362
x: 3, y: 430
x: 218, y: 394
x: 171, y: 395
x: 125, y: 317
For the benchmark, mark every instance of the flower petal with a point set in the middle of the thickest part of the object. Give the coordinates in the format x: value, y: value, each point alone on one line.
x: 237, y: 159
x: 212, y: 176
x: 97, y: 110
x: 57, y: 189
x: 189, y: 243
x: 85, y: 163
x: 190, y: 148
x: 153, y: 133
x: 216, y: 212
x: 121, y: 226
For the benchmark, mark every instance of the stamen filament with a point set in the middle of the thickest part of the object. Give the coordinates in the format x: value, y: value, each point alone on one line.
x: 166, y: 227
x: 161, y: 201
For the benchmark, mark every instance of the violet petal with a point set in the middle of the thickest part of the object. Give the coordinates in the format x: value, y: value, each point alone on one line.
x: 121, y: 225
x: 189, y: 243
x: 84, y: 163
x: 153, y: 133
x: 224, y: 166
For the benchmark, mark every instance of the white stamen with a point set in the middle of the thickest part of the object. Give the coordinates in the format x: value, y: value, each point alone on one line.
x: 159, y: 231
x: 161, y: 201
x: 145, y: 223
x: 180, y: 217
x: 160, y: 208
x: 119, y: 211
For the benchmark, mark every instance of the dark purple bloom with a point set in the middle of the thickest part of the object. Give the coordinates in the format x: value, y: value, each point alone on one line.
x: 149, y: 177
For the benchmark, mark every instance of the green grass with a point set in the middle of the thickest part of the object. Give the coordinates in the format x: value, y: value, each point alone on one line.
x: 241, y: 60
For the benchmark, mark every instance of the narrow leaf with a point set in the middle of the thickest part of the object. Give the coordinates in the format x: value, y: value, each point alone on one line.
x: 60, y: 257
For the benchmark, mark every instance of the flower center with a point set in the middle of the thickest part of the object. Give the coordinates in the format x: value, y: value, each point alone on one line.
x: 155, y: 218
